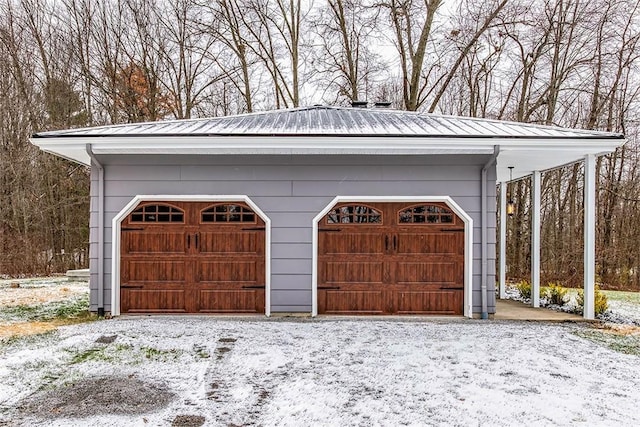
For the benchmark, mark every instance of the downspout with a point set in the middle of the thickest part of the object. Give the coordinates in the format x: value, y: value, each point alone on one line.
x: 95, y: 161
x: 484, y: 231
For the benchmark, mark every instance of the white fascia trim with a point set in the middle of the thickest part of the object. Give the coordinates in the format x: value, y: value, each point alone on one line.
x: 120, y: 216
x: 565, y: 144
x: 468, y: 241
x: 326, y: 141
x: 73, y: 147
x: 288, y: 145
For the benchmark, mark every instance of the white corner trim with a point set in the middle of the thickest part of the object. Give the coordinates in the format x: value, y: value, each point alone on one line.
x: 120, y: 216
x: 468, y: 241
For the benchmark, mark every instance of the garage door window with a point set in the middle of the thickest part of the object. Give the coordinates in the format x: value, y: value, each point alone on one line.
x: 157, y: 213
x: 421, y: 214
x: 228, y: 213
x: 354, y: 214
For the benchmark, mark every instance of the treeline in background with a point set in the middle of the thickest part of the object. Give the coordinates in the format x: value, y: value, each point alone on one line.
x: 76, y: 63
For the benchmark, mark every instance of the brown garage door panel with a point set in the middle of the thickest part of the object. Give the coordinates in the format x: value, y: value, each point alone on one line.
x: 427, y: 272
x: 231, y: 243
x: 152, y: 301
x: 153, y: 243
x: 342, y: 242
x: 352, y: 272
x: 153, y: 271
x: 231, y: 301
x: 437, y: 302
x: 351, y: 302
x: 229, y: 271
x: 428, y: 243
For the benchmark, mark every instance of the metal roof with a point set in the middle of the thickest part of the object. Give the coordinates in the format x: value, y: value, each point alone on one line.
x: 339, y: 131
x: 335, y: 121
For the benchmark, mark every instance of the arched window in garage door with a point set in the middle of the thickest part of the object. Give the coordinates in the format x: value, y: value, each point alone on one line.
x: 157, y: 213
x: 228, y: 213
x: 360, y: 214
x: 420, y: 214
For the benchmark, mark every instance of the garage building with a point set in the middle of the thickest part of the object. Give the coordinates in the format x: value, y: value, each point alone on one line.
x: 320, y: 210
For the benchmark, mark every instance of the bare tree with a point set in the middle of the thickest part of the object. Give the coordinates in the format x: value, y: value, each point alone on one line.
x: 275, y: 28
x: 225, y: 22
x: 487, y: 20
x: 347, y: 59
x: 185, y: 65
x: 412, y: 39
x: 83, y: 62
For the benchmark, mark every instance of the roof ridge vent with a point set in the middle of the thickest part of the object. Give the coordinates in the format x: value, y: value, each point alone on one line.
x: 359, y: 104
x: 382, y: 104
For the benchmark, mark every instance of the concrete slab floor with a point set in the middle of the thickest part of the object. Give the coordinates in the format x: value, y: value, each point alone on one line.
x: 515, y: 310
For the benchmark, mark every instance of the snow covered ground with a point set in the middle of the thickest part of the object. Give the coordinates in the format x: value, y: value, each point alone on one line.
x: 323, y: 372
x: 622, y: 312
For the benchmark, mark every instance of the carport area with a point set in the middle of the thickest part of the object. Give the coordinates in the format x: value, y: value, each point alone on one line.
x: 515, y: 310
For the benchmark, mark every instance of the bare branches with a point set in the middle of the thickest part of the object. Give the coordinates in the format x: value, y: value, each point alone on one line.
x: 465, y: 52
x: 347, y: 62
x: 574, y: 63
x: 411, y: 42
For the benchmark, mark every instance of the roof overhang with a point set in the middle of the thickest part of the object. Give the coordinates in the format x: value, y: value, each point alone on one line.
x: 527, y: 159
x: 524, y: 154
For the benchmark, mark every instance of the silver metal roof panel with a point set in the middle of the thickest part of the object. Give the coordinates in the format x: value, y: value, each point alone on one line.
x: 336, y: 121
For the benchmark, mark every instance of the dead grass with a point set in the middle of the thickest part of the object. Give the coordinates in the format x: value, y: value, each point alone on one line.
x: 616, y: 329
x: 18, y: 329
x: 26, y: 328
x: 11, y: 297
x: 621, y: 338
x: 34, y: 307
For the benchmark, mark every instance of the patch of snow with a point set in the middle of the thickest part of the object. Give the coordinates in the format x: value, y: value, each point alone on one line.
x: 622, y: 312
x: 335, y: 372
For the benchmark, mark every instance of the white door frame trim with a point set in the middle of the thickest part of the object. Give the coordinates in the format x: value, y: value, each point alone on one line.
x: 468, y: 240
x: 120, y: 216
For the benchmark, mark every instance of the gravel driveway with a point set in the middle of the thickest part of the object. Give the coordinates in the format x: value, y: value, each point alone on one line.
x: 230, y: 372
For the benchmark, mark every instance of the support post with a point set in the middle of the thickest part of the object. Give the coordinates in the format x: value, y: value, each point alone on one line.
x: 535, y: 239
x: 589, y: 235
x: 503, y: 240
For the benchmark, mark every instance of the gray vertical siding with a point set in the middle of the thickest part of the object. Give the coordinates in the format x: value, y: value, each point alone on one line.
x: 291, y: 190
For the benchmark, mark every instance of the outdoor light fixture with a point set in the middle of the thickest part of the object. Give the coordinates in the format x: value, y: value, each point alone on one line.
x: 511, y: 205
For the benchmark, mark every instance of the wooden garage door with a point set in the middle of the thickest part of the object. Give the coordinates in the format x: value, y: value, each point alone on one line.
x: 391, y: 258
x: 188, y: 257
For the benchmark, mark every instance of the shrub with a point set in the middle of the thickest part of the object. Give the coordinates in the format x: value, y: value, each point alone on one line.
x: 524, y: 288
x: 601, y: 303
x: 556, y: 294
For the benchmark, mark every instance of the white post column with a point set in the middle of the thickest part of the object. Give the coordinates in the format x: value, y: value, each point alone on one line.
x: 589, y: 235
x: 503, y: 239
x: 535, y: 239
